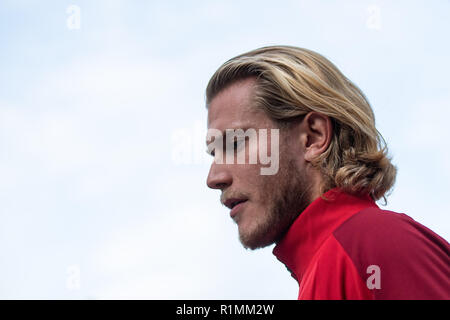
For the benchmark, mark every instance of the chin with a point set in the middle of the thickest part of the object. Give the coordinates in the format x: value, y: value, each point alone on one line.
x: 255, y: 239
x: 254, y: 244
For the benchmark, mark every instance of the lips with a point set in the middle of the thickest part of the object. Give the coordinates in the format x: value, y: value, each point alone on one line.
x: 232, y: 202
x: 235, y: 204
x: 237, y: 208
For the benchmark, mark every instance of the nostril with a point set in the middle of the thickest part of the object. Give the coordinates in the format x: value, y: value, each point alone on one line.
x: 218, y: 178
x: 221, y: 185
x: 214, y: 184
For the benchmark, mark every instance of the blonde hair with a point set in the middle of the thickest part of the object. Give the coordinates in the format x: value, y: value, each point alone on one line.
x: 291, y: 82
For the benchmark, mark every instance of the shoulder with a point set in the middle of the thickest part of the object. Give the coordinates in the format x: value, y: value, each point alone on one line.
x: 413, y: 260
x: 374, y: 228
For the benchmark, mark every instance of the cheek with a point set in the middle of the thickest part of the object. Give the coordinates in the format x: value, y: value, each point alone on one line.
x: 247, y: 175
x: 265, y: 189
x: 251, y: 151
x: 272, y: 187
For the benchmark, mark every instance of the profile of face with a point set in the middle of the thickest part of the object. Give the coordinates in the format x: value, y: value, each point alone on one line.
x: 264, y: 206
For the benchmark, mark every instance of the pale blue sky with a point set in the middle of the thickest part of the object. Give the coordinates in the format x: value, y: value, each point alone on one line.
x: 94, y: 199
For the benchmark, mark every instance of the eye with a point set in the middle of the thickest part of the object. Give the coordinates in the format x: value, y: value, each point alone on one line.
x: 212, y: 153
x: 238, y: 144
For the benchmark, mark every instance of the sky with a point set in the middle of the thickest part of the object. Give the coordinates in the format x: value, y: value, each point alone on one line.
x: 98, y: 197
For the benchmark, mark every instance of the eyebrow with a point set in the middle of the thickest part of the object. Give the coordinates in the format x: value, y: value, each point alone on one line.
x: 224, y: 132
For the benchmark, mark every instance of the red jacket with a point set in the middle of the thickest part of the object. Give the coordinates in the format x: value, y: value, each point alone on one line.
x: 348, y: 248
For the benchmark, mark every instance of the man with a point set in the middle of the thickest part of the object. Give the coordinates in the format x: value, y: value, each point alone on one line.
x: 319, y: 205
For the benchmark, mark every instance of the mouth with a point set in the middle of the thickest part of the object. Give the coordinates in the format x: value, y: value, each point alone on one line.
x: 235, y: 205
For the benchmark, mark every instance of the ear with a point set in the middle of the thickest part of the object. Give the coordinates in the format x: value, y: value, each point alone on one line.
x: 317, y: 132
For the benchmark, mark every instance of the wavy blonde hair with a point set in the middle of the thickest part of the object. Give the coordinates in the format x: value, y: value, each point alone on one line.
x: 291, y: 82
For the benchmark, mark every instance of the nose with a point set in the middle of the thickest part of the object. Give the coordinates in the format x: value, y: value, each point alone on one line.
x: 219, y: 177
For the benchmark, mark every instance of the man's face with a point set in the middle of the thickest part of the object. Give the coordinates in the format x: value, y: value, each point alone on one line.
x: 268, y: 203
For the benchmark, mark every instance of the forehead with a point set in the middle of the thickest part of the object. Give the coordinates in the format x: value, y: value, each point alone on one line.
x: 232, y: 108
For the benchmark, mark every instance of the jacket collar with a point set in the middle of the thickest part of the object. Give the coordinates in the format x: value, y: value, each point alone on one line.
x: 312, y: 227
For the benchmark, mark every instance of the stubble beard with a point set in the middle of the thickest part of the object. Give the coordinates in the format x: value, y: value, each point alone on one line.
x: 287, y: 194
